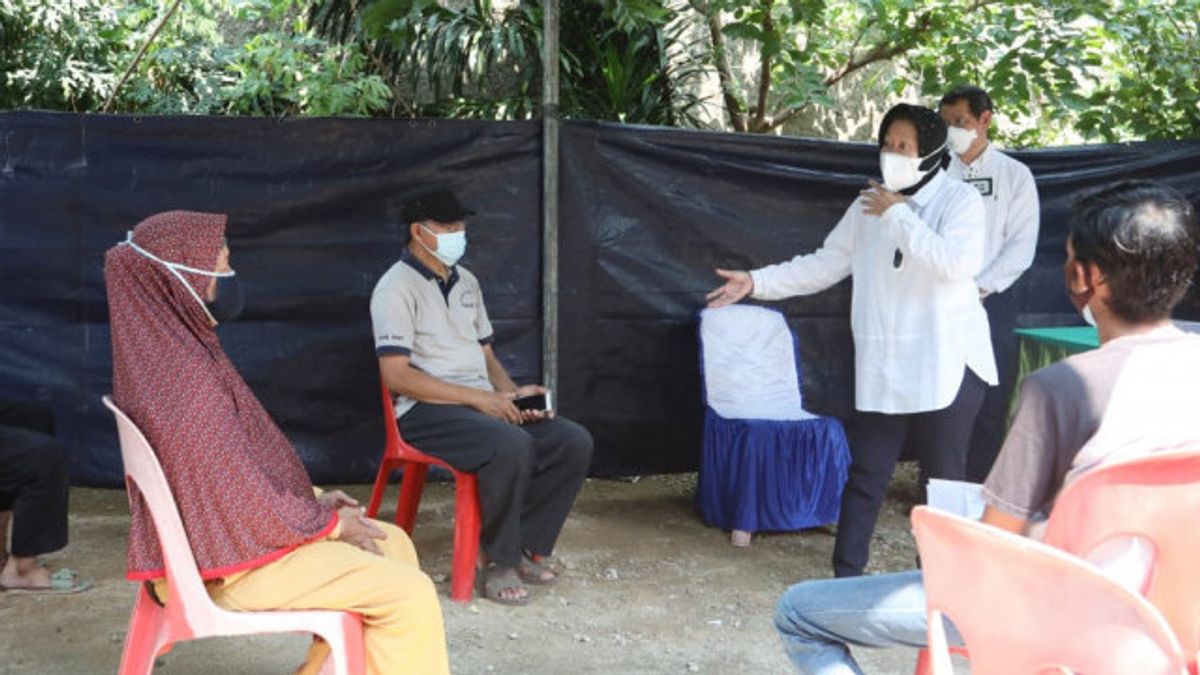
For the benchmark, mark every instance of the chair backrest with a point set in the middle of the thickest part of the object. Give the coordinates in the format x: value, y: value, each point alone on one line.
x: 395, y: 445
x: 1155, y: 500
x: 751, y: 369
x: 1023, y: 607
x: 143, y: 472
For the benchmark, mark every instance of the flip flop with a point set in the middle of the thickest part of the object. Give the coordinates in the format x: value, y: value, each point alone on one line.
x: 494, y: 581
x: 533, y: 572
x: 62, y: 582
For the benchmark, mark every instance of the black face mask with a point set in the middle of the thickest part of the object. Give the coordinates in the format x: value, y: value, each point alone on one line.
x: 229, y: 301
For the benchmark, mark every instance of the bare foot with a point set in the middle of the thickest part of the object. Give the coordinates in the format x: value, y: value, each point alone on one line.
x: 534, y: 571
x: 503, y: 585
x: 24, y: 573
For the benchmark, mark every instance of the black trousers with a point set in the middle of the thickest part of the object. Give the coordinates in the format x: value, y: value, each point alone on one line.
x: 992, y: 423
x: 940, y: 438
x: 528, y: 475
x: 33, y: 479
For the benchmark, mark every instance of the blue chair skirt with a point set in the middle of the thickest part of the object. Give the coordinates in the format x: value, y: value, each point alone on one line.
x: 766, y: 475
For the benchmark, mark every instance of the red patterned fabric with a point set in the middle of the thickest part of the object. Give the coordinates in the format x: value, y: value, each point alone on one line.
x: 244, y: 496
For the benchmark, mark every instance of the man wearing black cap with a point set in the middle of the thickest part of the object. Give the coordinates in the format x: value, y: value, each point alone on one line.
x: 454, y: 400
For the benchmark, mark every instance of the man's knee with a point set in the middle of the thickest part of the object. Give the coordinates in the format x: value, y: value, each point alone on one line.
x: 790, y: 610
x: 577, y: 445
x: 43, y: 462
x: 513, y: 453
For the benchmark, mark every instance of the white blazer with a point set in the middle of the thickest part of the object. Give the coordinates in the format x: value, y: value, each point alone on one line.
x: 915, y: 326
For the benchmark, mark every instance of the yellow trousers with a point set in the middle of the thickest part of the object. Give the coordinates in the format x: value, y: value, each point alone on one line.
x: 402, y: 620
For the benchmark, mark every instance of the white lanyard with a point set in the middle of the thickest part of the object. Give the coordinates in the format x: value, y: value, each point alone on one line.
x: 175, y: 267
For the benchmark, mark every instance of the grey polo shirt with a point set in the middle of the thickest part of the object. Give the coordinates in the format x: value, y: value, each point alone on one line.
x: 441, y: 327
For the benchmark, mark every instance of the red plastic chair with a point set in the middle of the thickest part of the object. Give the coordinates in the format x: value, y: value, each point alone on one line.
x: 1155, y: 498
x: 397, y: 454
x: 189, y: 613
x: 1024, y: 608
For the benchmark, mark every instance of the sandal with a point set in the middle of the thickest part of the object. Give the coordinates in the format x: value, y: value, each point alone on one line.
x: 533, y: 570
x: 62, y: 582
x: 496, y: 580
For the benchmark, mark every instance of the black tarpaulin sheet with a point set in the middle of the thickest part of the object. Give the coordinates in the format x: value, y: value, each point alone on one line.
x: 313, y: 210
x: 647, y: 213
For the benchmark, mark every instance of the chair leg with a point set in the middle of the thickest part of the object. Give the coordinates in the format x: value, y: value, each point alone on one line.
x: 381, y: 480
x: 346, y: 655
x: 467, y: 524
x: 145, y: 635
x: 922, y: 667
x: 410, y: 495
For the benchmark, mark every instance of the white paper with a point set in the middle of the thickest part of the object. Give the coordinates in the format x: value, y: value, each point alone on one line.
x: 955, y: 496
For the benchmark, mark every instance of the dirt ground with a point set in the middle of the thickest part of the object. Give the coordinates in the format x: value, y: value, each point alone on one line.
x: 647, y: 588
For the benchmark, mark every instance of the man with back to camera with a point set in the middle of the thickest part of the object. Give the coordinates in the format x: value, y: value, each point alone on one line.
x: 1011, y: 200
x: 455, y: 401
x: 1132, y: 250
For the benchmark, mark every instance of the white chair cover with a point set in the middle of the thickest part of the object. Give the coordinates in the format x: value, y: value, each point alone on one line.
x: 749, y: 360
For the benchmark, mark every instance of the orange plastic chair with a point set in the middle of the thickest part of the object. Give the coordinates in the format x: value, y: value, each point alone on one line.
x: 189, y: 613
x: 397, y: 454
x: 1157, y: 499
x: 1025, y: 608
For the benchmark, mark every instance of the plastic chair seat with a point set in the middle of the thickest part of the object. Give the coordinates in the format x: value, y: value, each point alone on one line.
x: 189, y: 612
x: 398, y: 454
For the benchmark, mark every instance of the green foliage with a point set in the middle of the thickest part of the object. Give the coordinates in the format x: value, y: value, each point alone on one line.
x: 1059, y: 71
x: 69, y: 54
x: 291, y: 71
x: 615, y: 58
x: 1094, y: 69
x: 57, y: 54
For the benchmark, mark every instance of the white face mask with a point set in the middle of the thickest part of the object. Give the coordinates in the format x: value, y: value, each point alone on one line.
x: 176, y: 268
x: 901, y: 171
x: 960, y: 139
x: 450, y: 246
x: 1088, y: 316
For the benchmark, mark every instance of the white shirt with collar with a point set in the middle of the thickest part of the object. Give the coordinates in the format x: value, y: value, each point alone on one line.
x: 1011, y: 200
x: 917, y: 325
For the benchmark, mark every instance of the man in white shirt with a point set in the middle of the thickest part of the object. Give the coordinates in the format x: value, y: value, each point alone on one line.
x: 1011, y: 200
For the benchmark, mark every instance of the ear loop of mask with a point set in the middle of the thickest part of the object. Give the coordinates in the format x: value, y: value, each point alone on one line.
x: 174, y: 269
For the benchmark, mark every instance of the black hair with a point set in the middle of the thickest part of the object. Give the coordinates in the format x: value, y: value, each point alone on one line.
x: 1143, y: 237
x: 977, y: 99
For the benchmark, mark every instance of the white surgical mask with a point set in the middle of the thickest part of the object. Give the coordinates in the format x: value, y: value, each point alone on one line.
x: 1088, y: 316
x: 450, y: 246
x: 176, y: 269
x: 960, y: 139
x: 901, y: 171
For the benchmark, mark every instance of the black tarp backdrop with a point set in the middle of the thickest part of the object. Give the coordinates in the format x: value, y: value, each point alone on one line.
x: 313, y: 203
x: 313, y: 210
x: 647, y: 214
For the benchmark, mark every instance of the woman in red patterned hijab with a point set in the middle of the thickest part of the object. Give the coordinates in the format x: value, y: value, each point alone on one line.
x: 239, y: 485
x: 247, y: 504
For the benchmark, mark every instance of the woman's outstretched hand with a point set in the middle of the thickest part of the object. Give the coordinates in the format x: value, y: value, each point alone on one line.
x: 737, y: 286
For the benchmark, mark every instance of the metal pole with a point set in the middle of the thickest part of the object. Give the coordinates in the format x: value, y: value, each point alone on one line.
x: 550, y: 123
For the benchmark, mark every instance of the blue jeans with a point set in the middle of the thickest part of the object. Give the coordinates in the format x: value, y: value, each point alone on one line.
x: 819, y: 620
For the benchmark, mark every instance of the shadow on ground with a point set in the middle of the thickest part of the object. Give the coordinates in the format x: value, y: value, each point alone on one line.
x: 647, y: 589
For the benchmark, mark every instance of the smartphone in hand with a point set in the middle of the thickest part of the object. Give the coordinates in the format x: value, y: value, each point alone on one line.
x: 542, y: 402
